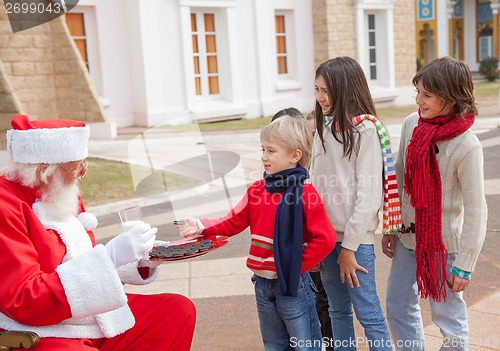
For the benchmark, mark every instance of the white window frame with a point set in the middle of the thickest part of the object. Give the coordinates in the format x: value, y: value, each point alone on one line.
x: 289, y: 41
x: 286, y: 54
x: 384, y: 29
x: 89, y: 22
x: 370, y: 47
x: 287, y: 81
x: 485, y: 42
x: 205, y: 95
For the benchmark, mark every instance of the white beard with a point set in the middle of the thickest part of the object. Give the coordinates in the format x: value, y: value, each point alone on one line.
x: 60, y: 201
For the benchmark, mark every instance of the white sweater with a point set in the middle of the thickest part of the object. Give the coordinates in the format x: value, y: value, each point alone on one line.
x: 464, y: 208
x: 351, y: 189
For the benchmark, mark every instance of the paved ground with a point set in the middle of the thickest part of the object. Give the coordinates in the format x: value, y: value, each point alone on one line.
x: 219, y: 282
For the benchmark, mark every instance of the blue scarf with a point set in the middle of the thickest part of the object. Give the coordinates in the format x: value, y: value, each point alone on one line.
x: 288, y: 226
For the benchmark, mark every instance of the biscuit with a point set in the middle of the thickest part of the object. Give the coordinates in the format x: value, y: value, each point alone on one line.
x: 176, y: 251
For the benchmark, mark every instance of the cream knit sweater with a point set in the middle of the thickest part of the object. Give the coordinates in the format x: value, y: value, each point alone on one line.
x: 464, y: 208
x: 351, y: 189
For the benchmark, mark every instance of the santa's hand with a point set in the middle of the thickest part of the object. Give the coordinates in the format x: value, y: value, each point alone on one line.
x: 146, y: 262
x: 158, y: 243
x: 149, y: 263
x: 131, y: 245
x: 189, y: 227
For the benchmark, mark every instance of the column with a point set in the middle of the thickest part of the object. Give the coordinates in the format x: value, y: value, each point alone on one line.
x: 494, y: 7
x: 450, y: 7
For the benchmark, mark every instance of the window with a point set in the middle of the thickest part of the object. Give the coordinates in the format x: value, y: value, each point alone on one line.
x: 426, y: 44
x: 81, y: 26
x: 205, y: 59
x: 281, y: 48
x: 376, y: 44
x: 372, y: 49
x: 76, y: 26
x: 485, y: 43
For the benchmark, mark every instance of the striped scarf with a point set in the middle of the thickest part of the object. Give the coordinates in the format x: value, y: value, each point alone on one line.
x: 392, y: 210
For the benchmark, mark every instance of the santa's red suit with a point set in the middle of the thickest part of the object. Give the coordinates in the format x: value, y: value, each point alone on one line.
x: 58, y: 283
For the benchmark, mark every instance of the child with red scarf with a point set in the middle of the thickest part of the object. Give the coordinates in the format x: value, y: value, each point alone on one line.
x: 441, y: 182
x: 290, y: 234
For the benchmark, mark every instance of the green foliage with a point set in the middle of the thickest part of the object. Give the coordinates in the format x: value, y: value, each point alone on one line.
x: 420, y: 64
x: 489, y: 68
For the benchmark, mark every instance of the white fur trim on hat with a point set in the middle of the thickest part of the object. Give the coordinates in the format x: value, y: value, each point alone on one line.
x: 48, y: 145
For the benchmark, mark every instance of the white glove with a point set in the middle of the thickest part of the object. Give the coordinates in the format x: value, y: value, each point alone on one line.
x: 190, y: 227
x: 146, y: 262
x: 161, y: 243
x: 131, y: 245
x: 149, y: 263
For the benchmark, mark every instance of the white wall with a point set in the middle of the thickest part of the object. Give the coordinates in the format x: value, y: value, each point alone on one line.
x: 298, y: 90
x: 470, y: 41
x: 442, y: 28
x: 112, y: 56
x: 145, y: 56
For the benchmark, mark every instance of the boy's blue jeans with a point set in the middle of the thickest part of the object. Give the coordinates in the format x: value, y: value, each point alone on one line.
x: 364, y: 299
x: 288, y: 323
x: 403, y: 309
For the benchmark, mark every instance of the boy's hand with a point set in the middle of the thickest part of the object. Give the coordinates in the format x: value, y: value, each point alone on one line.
x: 316, y: 268
x: 188, y: 227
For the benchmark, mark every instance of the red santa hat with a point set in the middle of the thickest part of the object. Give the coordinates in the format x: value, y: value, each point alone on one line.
x: 47, y: 141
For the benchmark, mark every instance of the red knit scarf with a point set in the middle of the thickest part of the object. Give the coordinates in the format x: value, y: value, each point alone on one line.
x: 423, y: 183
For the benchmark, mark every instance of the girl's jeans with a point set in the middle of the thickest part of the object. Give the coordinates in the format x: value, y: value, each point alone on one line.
x: 403, y: 310
x: 364, y: 299
x: 286, y: 322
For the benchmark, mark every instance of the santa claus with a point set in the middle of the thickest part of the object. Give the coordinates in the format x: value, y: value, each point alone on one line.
x: 55, y: 280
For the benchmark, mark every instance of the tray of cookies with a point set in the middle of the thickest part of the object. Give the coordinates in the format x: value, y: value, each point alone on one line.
x: 187, y: 248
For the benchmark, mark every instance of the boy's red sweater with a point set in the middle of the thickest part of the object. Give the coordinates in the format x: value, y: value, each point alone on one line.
x: 257, y: 209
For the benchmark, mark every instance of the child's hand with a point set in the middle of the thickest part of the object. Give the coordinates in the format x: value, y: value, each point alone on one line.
x: 316, y: 268
x: 188, y: 227
x: 388, y: 243
x: 348, y: 267
x: 458, y: 284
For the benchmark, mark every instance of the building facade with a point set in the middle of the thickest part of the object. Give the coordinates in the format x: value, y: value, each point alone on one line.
x: 464, y: 29
x: 183, y: 61
x: 41, y: 75
x: 147, y: 63
x: 376, y: 33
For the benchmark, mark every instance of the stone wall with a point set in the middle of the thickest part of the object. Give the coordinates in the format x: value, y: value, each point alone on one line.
x: 342, y: 25
x: 9, y: 103
x: 404, y: 42
x: 43, y: 75
x: 321, y: 31
x: 334, y: 29
x: 335, y: 34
